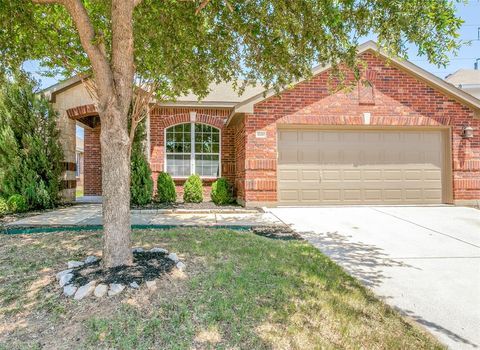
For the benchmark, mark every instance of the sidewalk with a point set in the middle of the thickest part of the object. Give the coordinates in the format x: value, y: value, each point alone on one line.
x: 91, y: 215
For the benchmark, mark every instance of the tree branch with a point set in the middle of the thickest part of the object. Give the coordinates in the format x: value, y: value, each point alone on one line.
x: 202, y: 5
x: 96, y: 52
x: 123, y: 68
x: 47, y: 1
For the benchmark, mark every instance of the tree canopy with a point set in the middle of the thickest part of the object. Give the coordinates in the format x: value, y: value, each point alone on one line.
x: 185, y: 45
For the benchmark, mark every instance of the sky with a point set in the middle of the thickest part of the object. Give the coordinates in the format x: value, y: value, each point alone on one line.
x: 465, y: 58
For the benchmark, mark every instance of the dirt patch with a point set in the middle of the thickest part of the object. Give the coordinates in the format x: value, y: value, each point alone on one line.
x: 276, y: 232
x: 146, y: 266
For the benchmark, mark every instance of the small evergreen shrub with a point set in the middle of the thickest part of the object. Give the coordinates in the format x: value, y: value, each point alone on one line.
x: 221, y: 192
x: 141, y: 182
x: 165, y: 188
x: 141, y: 186
x: 17, y: 203
x: 3, y: 206
x: 193, y: 189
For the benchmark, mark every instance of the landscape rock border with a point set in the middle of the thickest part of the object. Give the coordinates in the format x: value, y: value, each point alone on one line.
x: 99, y: 290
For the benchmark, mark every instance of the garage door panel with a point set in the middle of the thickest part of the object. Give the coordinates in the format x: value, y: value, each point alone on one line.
x: 310, y: 195
x: 310, y: 175
x: 360, y: 167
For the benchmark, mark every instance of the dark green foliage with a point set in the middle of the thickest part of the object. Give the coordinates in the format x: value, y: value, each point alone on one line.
x: 17, y: 203
x: 192, y: 189
x: 165, y: 188
x: 141, y: 184
x: 221, y: 192
x: 30, y: 152
x: 3, y: 206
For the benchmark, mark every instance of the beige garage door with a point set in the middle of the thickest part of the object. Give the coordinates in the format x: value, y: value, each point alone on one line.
x: 360, y: 167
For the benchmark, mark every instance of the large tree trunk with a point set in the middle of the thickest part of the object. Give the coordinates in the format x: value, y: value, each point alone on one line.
x: 114, y: 76
x: 114, y: 140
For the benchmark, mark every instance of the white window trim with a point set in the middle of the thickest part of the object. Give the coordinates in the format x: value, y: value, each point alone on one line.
x: 192, y: 152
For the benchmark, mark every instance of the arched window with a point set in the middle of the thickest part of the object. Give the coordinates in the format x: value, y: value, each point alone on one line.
x: 192, y: 148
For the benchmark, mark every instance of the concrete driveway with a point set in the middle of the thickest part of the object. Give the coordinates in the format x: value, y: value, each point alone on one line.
x: 424, y: 261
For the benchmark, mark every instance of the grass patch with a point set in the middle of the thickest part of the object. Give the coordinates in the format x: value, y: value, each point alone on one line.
x: 79, y: 191
x: 239, y: 291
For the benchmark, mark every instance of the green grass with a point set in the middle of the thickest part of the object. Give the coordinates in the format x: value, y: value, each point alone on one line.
x: 79, y: 191
x: 240, y: 291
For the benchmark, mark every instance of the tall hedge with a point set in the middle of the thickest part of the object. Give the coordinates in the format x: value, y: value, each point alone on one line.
x: 30, y: 152
x: 141, y: 183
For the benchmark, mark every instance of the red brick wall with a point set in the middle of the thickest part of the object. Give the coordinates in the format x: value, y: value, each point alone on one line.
x: 397, y: 99
x: 92, y: 163
x: 161, y: 118
x: 239, y: 138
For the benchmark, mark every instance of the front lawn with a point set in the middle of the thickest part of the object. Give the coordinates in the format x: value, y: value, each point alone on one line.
x: 239, y: 291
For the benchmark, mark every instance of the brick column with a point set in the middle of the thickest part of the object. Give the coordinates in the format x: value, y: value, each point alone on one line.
x: 92, y: 163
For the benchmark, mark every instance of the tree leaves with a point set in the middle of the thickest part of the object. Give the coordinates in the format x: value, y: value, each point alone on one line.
x: 186, y: 45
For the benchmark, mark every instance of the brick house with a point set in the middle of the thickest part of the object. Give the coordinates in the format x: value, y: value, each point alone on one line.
x: 400, y: 136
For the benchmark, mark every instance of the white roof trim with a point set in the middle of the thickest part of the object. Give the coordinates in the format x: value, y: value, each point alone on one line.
x: 247, y: 105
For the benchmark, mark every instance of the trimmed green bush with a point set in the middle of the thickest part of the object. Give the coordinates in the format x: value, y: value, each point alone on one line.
x: 193, y: 189
x: 17, y: 203
x: 3, y: 206
x: 221, y: 192
x: 165, y: 188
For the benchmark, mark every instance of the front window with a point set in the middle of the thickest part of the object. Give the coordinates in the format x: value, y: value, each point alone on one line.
x: 193, y: 148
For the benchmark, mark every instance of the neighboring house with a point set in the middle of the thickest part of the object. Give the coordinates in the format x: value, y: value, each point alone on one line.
x: 79, y: 154
x: 466, y: 79
x: 397, y: 138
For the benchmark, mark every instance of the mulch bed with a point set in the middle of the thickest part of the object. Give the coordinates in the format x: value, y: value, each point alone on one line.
x: 146, y: 266
x: 276, y: 232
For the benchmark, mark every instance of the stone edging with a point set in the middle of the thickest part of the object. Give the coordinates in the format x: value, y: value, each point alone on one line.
x: 100, y: 290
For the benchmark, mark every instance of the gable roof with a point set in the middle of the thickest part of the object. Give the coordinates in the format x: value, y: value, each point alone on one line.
x: 429, y: 78
x: 220, y: 95
x: 463, y: 77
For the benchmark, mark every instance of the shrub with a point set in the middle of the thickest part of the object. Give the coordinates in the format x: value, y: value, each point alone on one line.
x: 165, y: 188
x: 192, y: 190
x: 141, y: 185
x: 30, y: 152
x: 141, y: 182
x: 17, y: 203
x: 221, y: 192
x: 3, y: 206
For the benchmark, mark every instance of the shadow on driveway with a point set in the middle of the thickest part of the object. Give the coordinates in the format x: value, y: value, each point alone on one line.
x: 364, y: 261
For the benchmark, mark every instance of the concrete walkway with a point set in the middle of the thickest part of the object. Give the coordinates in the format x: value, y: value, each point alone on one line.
x: 91, y: 214
x: 424, y: 261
